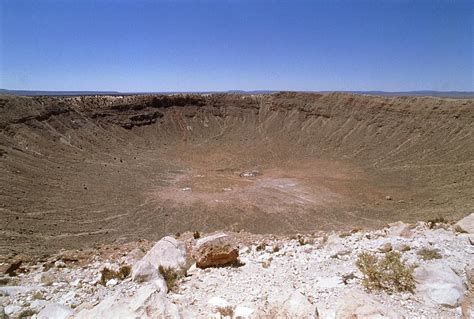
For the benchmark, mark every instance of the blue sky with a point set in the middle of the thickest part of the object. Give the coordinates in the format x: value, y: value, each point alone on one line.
x: 249, y: 45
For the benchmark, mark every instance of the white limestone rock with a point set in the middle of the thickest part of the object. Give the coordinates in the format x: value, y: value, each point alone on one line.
x: 357, y: 304
x: 148, y: 302
x: 466, y: 224
x: 438, y: 283
x: 167, y: 252
x: 399, y: 229
x: 144, y: 271
x: 242, y: 312
x: 289, y: 304
x: 55, y: 311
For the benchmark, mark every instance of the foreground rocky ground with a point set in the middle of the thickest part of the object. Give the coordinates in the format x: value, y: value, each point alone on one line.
x: 241, y: 275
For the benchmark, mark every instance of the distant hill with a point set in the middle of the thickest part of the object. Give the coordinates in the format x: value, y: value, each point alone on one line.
x: 56, y: 93
x: 449, y: 94
x: 452, y: 94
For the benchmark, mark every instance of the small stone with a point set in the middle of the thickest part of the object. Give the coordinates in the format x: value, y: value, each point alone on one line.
x: 55, y: 311
x: 12, y: 290
x: 111, y: 283
x: 217, y: 303
x: 47, y: 279
x: 343, y: 252
x: 12, y: 310
x: 76, y: 283
x: 60, y: 264
x: 388, y: 197
x: 38, y: 295
x: 403, y: 247
x: 241, y: 312
x: 385, y: 248
x: 399, y: 229
x: 37, y: 305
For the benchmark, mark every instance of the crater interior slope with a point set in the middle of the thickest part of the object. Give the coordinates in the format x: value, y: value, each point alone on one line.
x: 80, y: 171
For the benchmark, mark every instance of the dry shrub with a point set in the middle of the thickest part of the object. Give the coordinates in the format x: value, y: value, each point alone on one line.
x: 405, y: 247
x: 108, y: 274
x: 28, y: 313
x: 196, y: 235
x: 261, y: 246
x: 303, y: 241
x: 436, y: 221
x: 459, y: 229
x: 429, y: 254
x: 171, y: 275
x: 227, y: 311
x: 388, y: 273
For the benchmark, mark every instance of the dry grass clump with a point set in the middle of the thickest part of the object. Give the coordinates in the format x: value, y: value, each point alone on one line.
x: 28, y: 313
x: 304, y: 241
x: 108, y: 274
x: 459, y: 229
x: 345, y: 234
x: 405, y: 247
x: 388, y: 273
x: 171, y: 275
x: 227, y: 311
x: 261, y: 246
x: 429, y: 254
x: 432, y: 223
x: 276, y: 248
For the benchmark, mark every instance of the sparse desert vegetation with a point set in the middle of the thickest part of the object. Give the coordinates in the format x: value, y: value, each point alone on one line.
x: 429, y: 253
x: 269, y: 276
x: 389, y: 272
x: 109, y: 274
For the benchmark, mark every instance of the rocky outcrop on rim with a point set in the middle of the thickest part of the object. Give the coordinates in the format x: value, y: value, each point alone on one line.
x: 304, y: 276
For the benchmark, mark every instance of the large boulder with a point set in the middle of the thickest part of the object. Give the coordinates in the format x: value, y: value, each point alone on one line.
x: 215, y: 250
x: 167, y: 252
x: 357, y: 304
x: 55, y: 311
x: 399, y: 229
x: 289, y: 304
x: 147, y: 302
x: 144, y: 271
x: 438, y: 283
x: 466, y: 224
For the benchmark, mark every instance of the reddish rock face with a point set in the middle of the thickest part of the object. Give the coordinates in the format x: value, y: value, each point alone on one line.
x: 216, y: 250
